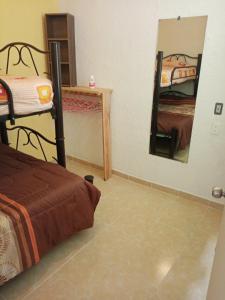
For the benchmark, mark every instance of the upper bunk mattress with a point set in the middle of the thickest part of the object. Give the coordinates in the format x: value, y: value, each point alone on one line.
x: 30, y: 94
x: 176, y: 73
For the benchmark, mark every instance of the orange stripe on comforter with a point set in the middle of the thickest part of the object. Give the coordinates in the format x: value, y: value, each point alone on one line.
x: 18, y: 213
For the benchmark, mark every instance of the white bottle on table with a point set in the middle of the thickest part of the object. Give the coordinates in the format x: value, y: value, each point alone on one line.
x: 92, y: 83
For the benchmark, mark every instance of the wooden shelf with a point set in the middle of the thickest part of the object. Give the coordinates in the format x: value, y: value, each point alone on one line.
x: 60, y: 28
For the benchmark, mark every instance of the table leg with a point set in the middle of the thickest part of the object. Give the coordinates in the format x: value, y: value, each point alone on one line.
x: 106, y: 136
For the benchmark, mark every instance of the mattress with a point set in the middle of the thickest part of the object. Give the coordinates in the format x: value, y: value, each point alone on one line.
x: 30, y: 94
x: 41, y: 204
x: 182, y: 73
x: 185, y: 109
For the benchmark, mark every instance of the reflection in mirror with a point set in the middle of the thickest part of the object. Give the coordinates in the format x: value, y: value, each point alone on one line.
x: 178, y: 64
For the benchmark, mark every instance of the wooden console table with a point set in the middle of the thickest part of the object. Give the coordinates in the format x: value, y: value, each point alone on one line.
x: 97, y: 99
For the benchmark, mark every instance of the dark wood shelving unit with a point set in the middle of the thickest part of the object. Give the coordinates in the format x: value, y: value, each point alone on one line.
x: 60, y: 28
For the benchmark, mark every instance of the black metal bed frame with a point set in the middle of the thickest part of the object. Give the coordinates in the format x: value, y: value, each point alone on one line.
x: 172, y: 137
x: 184, y: 56
x: 56, y: 110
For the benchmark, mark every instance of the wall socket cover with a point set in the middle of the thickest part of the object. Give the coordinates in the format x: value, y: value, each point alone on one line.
x: 218, y: 108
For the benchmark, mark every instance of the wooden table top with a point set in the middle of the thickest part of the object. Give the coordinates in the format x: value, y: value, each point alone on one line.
x: 96, y: 91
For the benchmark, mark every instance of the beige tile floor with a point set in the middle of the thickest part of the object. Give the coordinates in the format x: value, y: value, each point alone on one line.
x: 146, y: 244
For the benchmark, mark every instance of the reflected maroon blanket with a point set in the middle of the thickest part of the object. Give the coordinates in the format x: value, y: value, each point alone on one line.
x: 166, y: 121
x: 41, y: 204
x: 173, y: 100
x: 179, y: 114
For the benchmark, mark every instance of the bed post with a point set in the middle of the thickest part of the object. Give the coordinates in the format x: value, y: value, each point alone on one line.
x: 56, y: 79
x: 3, y: 133
x: 156, y: 103
x: 197, y: 74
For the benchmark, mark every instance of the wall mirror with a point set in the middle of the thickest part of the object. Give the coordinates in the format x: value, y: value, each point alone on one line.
x: 178, y: 65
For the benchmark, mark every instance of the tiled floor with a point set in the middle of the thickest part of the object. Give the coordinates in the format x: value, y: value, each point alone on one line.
x: 146, y: 244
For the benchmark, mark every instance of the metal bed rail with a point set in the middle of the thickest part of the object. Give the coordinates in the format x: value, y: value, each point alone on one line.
x: 56, y: 111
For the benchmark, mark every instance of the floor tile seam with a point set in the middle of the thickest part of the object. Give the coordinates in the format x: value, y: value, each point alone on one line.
x: 68, y: 259
x: 164, y: 192
x: 56, y: 270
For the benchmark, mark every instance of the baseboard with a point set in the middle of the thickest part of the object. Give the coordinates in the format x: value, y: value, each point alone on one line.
x: 154, y: 185
x: 84, y: 162
x: 171, y: 190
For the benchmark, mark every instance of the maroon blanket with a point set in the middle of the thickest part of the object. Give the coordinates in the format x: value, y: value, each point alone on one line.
x: 43, y: 203
x: 178, y: 113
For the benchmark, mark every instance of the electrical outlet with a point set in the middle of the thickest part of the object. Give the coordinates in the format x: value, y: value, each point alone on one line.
x: 215, y: 127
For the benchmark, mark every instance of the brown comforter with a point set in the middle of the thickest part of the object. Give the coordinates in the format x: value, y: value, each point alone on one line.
x: 41, y: 204
x: 166, y: 121
x: 177, y: 114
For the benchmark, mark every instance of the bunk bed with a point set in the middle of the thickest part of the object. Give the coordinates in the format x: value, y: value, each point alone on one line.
x: 41, y: 203
x: 173, y: 110
x: 179, y: 68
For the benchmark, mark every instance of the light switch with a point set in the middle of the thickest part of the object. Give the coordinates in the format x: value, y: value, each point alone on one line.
x: 218, y: 108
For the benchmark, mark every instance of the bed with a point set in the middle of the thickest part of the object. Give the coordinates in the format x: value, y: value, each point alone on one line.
x: 41, y: 203
x: 176, y: 70
x: 173, y: 109
x: 22, y: 96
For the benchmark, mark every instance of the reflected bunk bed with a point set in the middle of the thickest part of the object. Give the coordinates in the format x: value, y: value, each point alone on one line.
x: 41, y: 203
x: 173, y: 109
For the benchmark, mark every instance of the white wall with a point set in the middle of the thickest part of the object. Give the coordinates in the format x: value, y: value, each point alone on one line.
x: 186, y: 35
x: 24, y: 23
x: 116, y: 41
